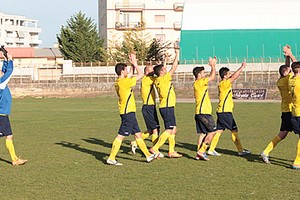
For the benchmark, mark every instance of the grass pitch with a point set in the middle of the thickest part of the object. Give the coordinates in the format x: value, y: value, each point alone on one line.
x: 67, y: 142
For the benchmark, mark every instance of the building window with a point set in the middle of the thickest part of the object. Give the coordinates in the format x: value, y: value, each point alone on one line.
x: 160, y: 37
x: 160, y: 18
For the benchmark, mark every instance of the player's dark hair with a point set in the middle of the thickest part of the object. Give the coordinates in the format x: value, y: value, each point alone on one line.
x: 119, y: 68
x: 197, y: 70
x: 223, y: 71
x: 150, y: 73
x: 157, y: 69
x: 283, y: 69
x: 296, y: 67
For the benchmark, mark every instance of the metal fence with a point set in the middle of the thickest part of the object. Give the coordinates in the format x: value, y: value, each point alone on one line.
x: 258, y: 71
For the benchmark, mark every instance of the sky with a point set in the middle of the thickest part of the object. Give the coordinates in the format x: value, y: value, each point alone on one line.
x: 51, y: 14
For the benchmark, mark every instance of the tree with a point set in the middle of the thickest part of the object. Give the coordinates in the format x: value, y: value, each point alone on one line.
x: 146, y: 48
x: 157, y: 50
x: 79, y: 40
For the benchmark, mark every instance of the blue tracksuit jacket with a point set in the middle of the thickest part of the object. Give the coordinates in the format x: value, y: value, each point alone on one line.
x: 5, y: 95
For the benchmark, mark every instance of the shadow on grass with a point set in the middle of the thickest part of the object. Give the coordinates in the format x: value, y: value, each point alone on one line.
x: 124, y: 149
x: 256, y: 158
x: 281, y: 162
x: 6, y: 161
x: 98, y: 155
x: 251, y: 158
x: 191, y: 147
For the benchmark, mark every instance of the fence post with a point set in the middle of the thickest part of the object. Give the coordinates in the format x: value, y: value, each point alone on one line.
x: 245, y: 71
x: 262, y: 70
x: 252, y: 70
x: 21, y: 81
x: 91, y: 64
x: 269, y: 75
x: 74, y: 73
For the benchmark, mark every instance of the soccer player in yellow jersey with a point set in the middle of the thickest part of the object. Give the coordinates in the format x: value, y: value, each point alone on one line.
x: 205, y: 124
x: 167, y: 101
x: 127, y: 109
x: 225, y: 108
x: 286, y: 104
x: 294, y: 86
x: 149, y: 108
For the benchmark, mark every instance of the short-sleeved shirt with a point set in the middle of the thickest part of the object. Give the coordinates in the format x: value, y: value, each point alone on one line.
x: 294, y: 87
x: 165, y: 89
x: 126, y: 101
x: 225, y: 97
x: 147, y: 91
x: 203, y: 103
x: 286, y: 97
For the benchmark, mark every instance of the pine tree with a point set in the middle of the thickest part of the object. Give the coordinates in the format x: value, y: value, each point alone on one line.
x: 79, y: 40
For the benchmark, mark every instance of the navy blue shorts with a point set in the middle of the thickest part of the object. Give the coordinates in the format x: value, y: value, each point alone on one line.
x: 5, y: 128
x: 226, y: 121
x: 129, y: 124
x: 296, y: 124
x: 286, y: 122
x: 205, y: 123
x: 168, y: 116
x: 150, y: 117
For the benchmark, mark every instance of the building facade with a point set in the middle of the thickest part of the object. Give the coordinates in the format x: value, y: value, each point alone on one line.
x: 160, y: 18
x: 18, y: 31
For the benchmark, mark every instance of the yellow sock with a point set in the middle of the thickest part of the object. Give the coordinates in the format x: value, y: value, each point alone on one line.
x: 143, y: 147
x: 235, y: 138
x: 11, y: 150
x: 161, y: 140
x: 272, y: 145
x: 214, y: 141
x: 203, y: 148
x: 171, y: 143
x: 198, y: 147
x: 297, y: 160
x: 154, y: 138
x: 115, y: 148
x: 145, y: 135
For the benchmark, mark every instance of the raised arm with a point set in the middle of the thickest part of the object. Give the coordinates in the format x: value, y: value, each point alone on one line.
x: 175, y: 62
x: 287, y: 51
x: 212, y: 63
x: 238, y: 72
x: 133, y: 61
x: 6, y: 73
x: 166, y: 59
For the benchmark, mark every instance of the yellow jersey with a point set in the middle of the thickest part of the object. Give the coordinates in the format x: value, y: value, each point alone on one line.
x: 286, y: 97
x: 165, y: 89
x: 147, y: 90
x: 294, y: 86
x: 203, y: 103
x: 126, y: 101
x: 225, y: 97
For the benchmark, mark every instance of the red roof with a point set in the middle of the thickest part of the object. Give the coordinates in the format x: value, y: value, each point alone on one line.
x: 21, y: 52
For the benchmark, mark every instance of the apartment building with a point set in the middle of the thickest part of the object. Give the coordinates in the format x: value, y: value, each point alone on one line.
x: 18, y: 31
x: 160, y: 18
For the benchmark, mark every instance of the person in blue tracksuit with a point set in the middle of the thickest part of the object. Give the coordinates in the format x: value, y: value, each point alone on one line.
x: 5, y: 107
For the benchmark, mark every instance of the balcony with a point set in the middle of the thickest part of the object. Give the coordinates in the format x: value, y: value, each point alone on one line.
x: 177, y: 25
x: 129, y: 25
x: 33, y: 41
x: 178, y: 6
x: 130, y: 6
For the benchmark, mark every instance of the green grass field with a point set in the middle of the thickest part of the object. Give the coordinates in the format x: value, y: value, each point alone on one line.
x: 67, y: 142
